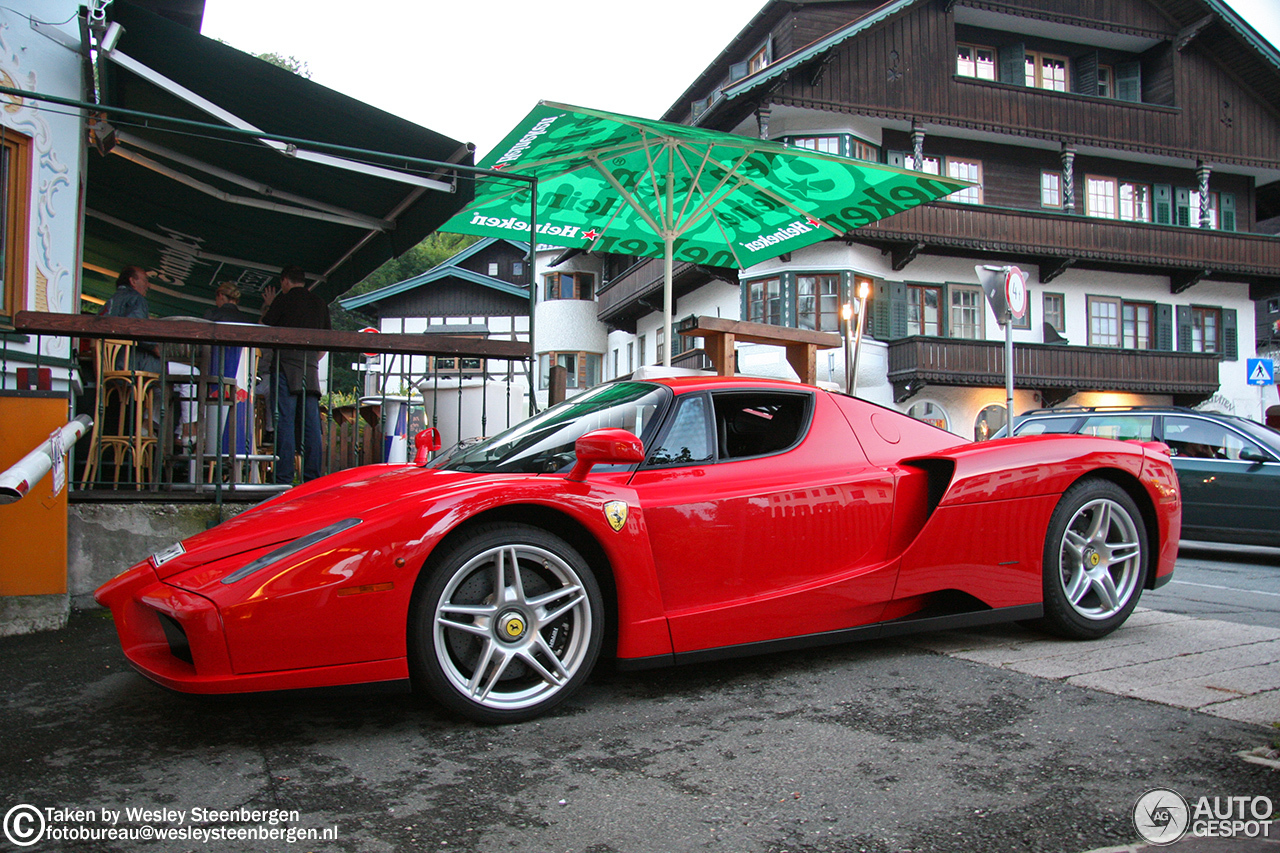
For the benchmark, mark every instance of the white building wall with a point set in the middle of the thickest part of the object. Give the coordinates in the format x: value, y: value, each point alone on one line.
x: 962, y: 407
x: 36, y: 60
x: 566, y: 325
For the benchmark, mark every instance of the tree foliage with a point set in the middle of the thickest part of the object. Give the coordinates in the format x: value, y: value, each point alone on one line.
x: 431, y: 252
x: 288, y: 63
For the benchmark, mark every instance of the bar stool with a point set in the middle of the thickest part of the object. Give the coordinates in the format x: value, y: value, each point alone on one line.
x: 132, y: 392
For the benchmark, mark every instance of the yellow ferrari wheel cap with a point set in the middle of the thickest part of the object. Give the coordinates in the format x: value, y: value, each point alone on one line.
x: 616, y: 513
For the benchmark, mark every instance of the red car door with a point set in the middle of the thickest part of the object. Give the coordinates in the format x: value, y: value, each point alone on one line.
x: 765, y: 519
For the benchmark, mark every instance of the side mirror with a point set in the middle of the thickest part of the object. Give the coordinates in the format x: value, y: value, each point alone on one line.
x: 427, y: 442
x: 604, y: 447
x: 1248, y: 455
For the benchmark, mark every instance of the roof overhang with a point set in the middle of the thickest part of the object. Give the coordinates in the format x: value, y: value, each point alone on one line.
x: 304, y: 175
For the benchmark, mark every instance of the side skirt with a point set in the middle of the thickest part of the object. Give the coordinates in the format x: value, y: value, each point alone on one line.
x: 896, y: 628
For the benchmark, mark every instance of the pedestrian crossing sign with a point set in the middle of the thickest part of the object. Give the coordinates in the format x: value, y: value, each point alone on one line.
x: 1262, y: 371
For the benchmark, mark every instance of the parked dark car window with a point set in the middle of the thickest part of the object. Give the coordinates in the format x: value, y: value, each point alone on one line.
x: 1122, y: 427
x: 1203, y: 439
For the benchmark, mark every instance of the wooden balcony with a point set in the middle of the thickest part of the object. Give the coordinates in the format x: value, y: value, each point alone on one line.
x: 1057, y: 241
x: 638, y: 290
x: 1057, y: 371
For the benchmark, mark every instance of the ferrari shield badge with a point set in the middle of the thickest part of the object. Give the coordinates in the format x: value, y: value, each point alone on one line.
x: 616, y: 512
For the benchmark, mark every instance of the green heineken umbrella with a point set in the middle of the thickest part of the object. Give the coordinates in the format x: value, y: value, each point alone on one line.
x: 633, y: 186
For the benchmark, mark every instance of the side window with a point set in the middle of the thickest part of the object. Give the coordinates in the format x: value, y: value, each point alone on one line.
x: 1202, y: 439
x: 1123, y: 427
x: 757, y: 424
x: 691, y: 437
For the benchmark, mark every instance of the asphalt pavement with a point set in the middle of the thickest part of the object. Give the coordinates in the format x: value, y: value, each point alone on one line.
x: 952, y: 743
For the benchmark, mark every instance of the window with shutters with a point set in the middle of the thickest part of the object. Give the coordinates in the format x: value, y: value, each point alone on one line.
x: 1115, y: 322
x: 1139, y: 325
x: 1046, y: 71
x: 923, y: 306
x: 1181, y: 206
x: 1206, y: 325
x: 1208, y: 329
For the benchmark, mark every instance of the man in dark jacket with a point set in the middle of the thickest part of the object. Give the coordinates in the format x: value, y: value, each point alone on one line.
x: 297, y: 383
x: 130, y: 300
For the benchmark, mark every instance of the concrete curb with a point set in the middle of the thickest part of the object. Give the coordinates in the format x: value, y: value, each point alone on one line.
x: 1221, y: 668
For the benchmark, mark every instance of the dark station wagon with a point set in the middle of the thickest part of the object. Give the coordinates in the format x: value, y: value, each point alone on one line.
x: 1228, y: 467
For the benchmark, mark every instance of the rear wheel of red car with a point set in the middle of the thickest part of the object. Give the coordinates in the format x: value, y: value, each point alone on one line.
x: 507, y: 626
x: 1095, y: 558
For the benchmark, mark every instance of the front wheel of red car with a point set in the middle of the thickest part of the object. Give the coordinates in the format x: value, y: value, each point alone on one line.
x: 1095, y: 558
x: 508, y: 624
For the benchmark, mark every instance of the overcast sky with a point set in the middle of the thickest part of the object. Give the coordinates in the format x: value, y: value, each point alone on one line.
x: 472, y: 70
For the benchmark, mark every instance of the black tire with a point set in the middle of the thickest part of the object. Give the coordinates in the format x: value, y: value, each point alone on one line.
x: 1095, y: 561
x: 503, y: 658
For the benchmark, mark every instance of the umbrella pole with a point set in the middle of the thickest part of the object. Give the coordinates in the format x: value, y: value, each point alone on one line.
x: 667, y: 287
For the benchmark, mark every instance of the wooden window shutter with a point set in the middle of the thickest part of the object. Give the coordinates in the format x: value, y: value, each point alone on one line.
x: 1163, y: 204
x: 888, y: 310
x: 787, y: 288
x: 1226, y: 212
x: 898, y: 309
x: 899, y: 159
x: 1184, y: 328
x: 1164, y: 327
x: 1084, y: 73
x: 1013, y: 64
x: 1230, y: 340
x: 737, y: 71
x: 1129, y: 81
x: 1182, y: 207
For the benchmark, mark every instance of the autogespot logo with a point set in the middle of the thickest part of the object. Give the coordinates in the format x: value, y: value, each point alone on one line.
x: 1161, y: 816
x: 23, y: 825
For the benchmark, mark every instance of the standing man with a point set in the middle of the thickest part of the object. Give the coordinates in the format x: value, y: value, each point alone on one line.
x: 297, y: 383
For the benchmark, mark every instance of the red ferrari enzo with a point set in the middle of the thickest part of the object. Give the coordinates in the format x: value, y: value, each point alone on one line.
x: 657, y: 522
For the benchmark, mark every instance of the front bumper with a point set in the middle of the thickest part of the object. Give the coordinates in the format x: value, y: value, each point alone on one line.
x: 176, y: 638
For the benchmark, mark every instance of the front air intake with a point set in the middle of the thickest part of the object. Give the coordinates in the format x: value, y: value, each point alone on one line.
x: 178, y: 645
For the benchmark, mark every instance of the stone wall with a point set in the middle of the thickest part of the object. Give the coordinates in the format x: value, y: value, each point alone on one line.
x: 105, y: 539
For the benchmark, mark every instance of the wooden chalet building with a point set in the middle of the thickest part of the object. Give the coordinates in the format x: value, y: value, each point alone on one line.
x: 1125, y: 153
x: 481, y: 292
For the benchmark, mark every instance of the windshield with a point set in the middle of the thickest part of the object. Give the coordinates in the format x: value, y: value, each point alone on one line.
x: 544, y: 443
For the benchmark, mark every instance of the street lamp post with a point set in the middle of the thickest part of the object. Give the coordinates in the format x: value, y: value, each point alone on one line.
x: 864, y: 290
x: 846, y: 312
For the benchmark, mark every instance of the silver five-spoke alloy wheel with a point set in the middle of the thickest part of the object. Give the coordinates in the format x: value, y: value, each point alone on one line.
x: 514, y: 623
x: 1101, y: 559
x: 1095, y: 560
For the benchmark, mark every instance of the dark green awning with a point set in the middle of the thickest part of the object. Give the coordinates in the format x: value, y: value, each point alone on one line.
x: 196, y: 208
